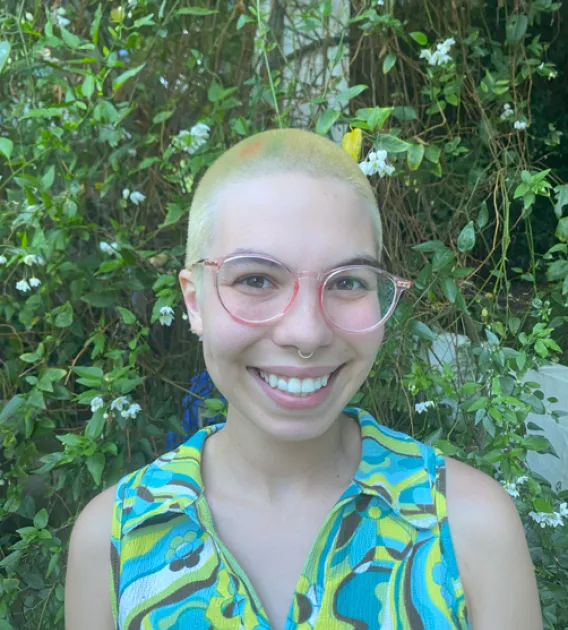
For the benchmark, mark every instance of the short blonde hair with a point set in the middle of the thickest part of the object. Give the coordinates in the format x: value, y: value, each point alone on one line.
x: 270, y: 152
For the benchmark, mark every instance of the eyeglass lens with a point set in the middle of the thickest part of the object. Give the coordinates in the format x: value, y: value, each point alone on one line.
x: 256, y: 289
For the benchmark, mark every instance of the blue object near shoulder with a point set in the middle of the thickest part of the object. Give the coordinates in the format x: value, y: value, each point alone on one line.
x: 200, y: 386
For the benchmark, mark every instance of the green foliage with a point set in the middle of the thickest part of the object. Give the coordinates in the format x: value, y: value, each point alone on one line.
x: 110, y: 112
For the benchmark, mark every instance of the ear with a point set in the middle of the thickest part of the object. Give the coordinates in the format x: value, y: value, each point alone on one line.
x: 188, y: 284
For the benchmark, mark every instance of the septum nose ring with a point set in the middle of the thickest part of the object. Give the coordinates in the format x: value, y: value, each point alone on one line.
x: 305, y: 356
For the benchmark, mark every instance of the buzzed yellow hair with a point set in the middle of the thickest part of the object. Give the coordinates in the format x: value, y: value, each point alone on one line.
x: 270, y: 152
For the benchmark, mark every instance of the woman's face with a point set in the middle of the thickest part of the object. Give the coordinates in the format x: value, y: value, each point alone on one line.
x: 311, y: 224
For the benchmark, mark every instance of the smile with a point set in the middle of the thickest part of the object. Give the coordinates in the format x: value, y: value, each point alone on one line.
x: 295, y: 385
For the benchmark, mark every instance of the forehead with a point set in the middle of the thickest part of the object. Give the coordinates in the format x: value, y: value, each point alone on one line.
x: 295, y: 217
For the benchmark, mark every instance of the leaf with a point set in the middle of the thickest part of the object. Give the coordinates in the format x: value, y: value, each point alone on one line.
x: 162, y: 117
x: 449, y: 289
x: 561, y: 199
x: 95, y: 425
x: 542, y: 505
x: 88, y: 86
x: 41, y: 518
x: 483, y: 217
x: 516, y: 28
x: 419, y: 38
x: 562, y: 230
x: 558, y: 270
x: 128, y: 317
x: 96, y: 25
x: 389, y: 62
x: 429, y: 246
x: 6, y: 147
x: 175, y: 213
x: 43, y: 112
x: 420, y: 329
x: 414, y: 156
x: 95, y: 465
x: 346, y: 95
x: 432, y: 154
x: 4, y: 53
x: 11, y: 407
x: 466, y: 239
x: 195, y: 11
x: 326, y: 121
x: 352, y: 142
x: 123, y: 78
x: 391, y: 143
x: 69, y: 38
x: 46, y: 182
x: 89, y: 372
x: 442, y: 258
x: 404, y: 112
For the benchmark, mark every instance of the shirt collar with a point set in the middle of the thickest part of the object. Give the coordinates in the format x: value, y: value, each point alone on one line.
x: 394, y: 467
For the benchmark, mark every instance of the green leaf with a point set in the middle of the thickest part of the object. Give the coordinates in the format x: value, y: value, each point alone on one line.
x: 419, y: 38
x: 558, y: 270
x: 4, y: 625
x: 123, y: 78
x: 6, y: 147
x: 404, y: 112
x: 70, y: 40
x: 514, y: 324
x: 46, y: 182
x: 89, y: 372
x: 162, y: 117
x: 65, y: 317
x: 88, y: 86
x: 95, y: 465
x: 466, y: 239
x: 95, y: 425
x: 326, y: 121
x: 389, y: 62
x: 442, y: 258
x: 449, y: 289
x: 41, y: 518
x: 420, y: 329
x: 414, y: 156
x: 561, y: 199
x: 195, y: 11
x: 4, y: 54
x: 432, y: 154
x: 542, y: 505
x: 128, y: 317
x: 562, y: 230
x: 429, y: 246
x: 43, y: 112
x: 391, y: 143
x: 516, y: 28
x: 479, y: 403
x: 346, y: 95
x: 11, y: 407
x: 175, y: 213
x: 96, y: 25
x: 483, y: 217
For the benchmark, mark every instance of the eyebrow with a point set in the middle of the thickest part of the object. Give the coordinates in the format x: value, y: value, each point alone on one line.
x: 359, y: 259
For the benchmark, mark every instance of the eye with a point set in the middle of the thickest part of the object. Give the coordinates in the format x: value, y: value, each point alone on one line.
x: 255, y: 282
x: 349, y: 284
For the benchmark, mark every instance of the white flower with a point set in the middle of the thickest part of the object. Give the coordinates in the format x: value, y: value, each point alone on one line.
x: 125, y: 193
x: 35, y: 282
x: 541, y: 66
x: 522, y: 479
x: 96, y: 403
x: 23, y: 286
x: 376, y: 163
x: 366, y: 168
x: 545, y: 519
x: 132, y: 411
x: 106, y: 248
x: 563, y: 510
x: 511, y: 488
x: 520, y: 124
x: 440, y: 57
x: 32, y: 259
x: 137, y: 197
x: 381, y: 3
x: 190, y: 141
x: 507, y: 112
x: 166, y: 315
x: 3, y: 260
x: 421, y: 407
x: 118, y: 403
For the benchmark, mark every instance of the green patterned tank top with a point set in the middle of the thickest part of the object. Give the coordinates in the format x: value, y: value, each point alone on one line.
x: 383, y: 559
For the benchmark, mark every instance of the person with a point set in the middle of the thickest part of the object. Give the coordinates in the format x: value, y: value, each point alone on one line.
x: 299, y: 511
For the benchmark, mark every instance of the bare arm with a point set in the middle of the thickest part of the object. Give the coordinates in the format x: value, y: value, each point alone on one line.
x: 87, y: 587
x: 492, y: 552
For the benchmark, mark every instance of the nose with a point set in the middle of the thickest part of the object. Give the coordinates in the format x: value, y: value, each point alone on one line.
x: 304, y: 325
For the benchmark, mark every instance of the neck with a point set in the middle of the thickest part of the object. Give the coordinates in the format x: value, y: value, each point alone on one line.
x: 242, y: 455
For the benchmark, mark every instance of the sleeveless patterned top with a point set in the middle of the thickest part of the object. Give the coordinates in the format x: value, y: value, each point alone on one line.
x: 383, y: 559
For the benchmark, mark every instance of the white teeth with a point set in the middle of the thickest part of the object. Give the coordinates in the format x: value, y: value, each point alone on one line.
x: 295, y: 385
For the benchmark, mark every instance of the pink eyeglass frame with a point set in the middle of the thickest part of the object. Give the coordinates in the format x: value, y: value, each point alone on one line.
x: 322, y: 277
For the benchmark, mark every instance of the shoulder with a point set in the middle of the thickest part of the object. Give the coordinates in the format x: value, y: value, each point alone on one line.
x: 88, y: 585
x: 491, y: 551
